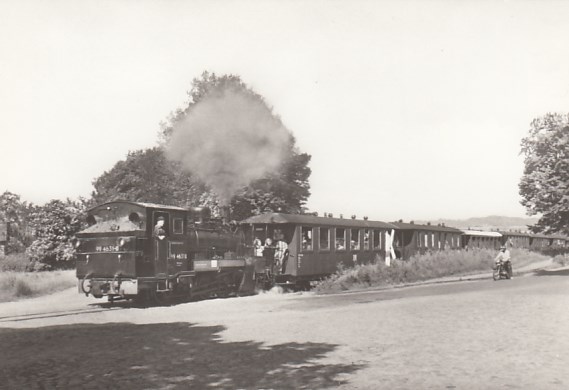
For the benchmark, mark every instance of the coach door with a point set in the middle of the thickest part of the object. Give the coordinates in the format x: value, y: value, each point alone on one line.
x: 160, y: 239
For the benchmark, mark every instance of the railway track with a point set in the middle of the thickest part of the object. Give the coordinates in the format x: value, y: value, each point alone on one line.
x: 52, y: 314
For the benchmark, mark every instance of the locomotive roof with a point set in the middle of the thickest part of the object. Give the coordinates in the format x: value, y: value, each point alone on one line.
x: 414, y: 226
x: 303, y: 219
x: 141, y: 204
x: 480, y: 233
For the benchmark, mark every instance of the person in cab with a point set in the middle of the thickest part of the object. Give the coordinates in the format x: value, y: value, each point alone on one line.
x: 159, y: 229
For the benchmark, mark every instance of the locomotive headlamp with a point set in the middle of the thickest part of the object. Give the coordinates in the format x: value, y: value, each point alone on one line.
x: 122, y: 241
x: 77, y: 244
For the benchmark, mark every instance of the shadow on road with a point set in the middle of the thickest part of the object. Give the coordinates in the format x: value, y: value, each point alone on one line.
x: 172, y: 356
x: 544, y: 272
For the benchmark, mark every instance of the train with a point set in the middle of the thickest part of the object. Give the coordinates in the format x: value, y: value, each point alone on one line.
x: 137, y: 250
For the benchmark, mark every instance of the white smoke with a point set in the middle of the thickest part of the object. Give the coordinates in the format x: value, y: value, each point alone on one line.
x: 229, y: 140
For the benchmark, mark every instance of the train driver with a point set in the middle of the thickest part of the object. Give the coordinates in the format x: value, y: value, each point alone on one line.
x: 159, y: 229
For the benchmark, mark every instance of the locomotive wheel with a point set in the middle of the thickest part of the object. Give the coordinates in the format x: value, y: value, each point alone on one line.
x: 85, y: 279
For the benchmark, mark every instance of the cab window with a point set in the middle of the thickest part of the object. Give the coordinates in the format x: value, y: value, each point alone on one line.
x: 178, y: 226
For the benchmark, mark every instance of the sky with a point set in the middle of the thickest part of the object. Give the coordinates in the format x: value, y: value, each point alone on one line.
x: 409, y: 109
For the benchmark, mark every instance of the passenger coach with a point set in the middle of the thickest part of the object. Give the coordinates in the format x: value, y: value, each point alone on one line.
x: 411, y: 238
x: 481, y: 239
x: 317, y: 245
x: 515, y: 239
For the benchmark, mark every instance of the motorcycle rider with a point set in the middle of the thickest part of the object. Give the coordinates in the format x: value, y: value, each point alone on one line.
x: 504, y: 257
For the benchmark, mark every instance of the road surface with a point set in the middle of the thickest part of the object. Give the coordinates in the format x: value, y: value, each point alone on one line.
x: 467, y: 335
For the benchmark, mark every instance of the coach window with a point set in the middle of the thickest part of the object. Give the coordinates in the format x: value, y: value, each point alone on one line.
x: 366, y: 239
x: 340, y: 239
x: 377, y: 239
x: 355, y: 240
x: 307, y: 238
x: 178, y: 226
x: 324, y: 238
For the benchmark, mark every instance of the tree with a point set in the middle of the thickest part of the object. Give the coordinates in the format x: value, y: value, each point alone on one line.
x: 285, y: 190
x: 55, y: 225
x: 544, y: 186
x: 147, y: 176
x: 15, y: 212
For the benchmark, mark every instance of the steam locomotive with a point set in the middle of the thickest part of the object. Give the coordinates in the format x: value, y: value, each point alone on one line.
x: 144, y: 250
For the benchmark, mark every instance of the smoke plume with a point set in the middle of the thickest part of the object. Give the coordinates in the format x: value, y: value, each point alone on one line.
x: 229, y: 140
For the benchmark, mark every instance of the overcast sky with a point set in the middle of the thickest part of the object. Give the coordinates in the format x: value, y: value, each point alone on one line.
x: 410, y: 109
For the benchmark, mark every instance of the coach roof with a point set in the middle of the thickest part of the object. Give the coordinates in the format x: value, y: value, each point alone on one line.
x: 480, y: 233
x: 436, y: 228
x: 303, y: 219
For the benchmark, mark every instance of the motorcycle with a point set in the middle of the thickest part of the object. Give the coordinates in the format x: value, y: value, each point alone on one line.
x: 500, y: 271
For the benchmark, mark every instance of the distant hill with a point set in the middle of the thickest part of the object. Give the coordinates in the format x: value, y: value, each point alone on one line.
x: 492, y: 222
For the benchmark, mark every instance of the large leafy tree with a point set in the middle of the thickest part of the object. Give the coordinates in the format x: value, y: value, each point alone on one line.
x: 147, y: 175
x: 55, y: 225
x: 286, y: 190
x: 544, y: 186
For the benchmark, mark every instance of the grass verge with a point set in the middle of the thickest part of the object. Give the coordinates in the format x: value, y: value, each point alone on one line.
x: 420, y: 268
x: 18, y: 285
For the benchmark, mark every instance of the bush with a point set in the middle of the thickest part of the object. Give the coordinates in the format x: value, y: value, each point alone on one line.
x: 421, y: 267
x: 553, y: 251
x: 22, y: 288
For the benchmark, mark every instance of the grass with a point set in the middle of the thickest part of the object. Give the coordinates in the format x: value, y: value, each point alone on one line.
x: 421, y: 267
x: 14, y: 262
x: 17, y: 285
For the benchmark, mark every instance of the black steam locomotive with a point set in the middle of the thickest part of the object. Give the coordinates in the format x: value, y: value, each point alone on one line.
x: 143, y: 250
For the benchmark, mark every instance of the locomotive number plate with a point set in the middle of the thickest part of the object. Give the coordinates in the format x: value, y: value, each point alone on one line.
x: 107, y: 248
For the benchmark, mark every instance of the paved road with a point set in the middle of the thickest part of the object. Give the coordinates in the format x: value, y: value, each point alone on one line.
x: 468, y: 335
